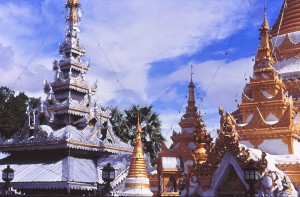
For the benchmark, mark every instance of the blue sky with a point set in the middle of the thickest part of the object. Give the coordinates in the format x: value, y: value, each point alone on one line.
x: 141, y: 50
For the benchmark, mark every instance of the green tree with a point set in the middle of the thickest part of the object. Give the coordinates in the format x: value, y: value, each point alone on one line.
x: 13, y: 111
x: 124, y: 125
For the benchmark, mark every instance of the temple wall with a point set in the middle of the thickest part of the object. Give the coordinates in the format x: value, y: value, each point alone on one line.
x: 274, y: 147
x: 296, y: 147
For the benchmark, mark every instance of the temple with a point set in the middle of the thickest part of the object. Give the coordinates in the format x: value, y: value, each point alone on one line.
x: 257, y: 150
x: 268, y: 116
x: 67, y: 141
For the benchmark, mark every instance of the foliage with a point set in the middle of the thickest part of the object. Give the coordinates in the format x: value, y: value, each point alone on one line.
x: 13, y: 110
x: 124, y: 125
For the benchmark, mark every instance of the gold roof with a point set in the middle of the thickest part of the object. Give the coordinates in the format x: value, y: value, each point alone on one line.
x: 289, y: 18
x: 263, y: 55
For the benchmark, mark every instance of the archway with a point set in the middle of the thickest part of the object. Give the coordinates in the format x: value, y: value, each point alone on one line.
x: 231, y: 185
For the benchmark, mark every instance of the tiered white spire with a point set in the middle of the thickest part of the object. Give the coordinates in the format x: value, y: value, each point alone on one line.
x: 69, y: 96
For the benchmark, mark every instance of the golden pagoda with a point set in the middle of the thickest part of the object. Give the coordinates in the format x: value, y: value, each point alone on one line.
x: 268, y: 117
x: 192, y: 142
x: 256, y: 151
x: 137, y: 182
x: 286, y: 42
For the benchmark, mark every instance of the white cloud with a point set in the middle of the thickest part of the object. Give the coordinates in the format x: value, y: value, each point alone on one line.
x: 132, y: 35
x: 226, y: 85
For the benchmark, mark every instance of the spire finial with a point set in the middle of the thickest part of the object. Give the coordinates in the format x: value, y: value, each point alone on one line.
x: 192, y: 71
x: 265, y: 25
x: 265, y: 8
x: 73, y: 5
x: 138, y: 124
x: 264, y: 50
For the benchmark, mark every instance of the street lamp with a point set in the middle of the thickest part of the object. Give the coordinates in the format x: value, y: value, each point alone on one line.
x: 108, y: 175
x: 7, y: 176
x: 251, y: 177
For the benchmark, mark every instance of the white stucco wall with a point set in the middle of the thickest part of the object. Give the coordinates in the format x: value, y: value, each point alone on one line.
x: 296, y: 146
x: 274, y: 147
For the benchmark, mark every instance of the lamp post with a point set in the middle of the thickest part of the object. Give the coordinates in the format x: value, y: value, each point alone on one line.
x: 7, y: 176
x: 108, y: 175
x: 251, y: 177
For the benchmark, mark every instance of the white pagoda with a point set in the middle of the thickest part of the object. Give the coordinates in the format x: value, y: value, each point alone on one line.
x: 67, y: 141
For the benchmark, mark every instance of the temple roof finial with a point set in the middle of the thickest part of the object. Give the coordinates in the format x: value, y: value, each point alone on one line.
x: 265, y: 25
x: 264, y: 50
x: 265, y: 8
x: 73, y: 5
x: 138, y: 124
x: 192, y: 72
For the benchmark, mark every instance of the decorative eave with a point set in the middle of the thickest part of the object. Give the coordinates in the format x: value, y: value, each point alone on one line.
x: 183, y: 136
x: 260, y: 97
x: 79, y: 50
x: 75, y: 64
x: 287, y: 49
x: 188, y: 123
x: 55, y: 185
x: 289, y: 167
x: 258, y: 121
x: 67, y: 110
x: 179, y: 151
x: 60, y: 86
x: 263, y: 105
x: 61, y: 145
x: 262, y: 84
x: 246, y: 99
x: 285, y: 127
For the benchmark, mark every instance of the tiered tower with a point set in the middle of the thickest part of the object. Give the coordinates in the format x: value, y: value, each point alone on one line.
x: 69, y: 96
x: 192, y: 142
x: 67, y: 141
x: 191, y: 122
x: 268, y: 116
x: 137, y: 182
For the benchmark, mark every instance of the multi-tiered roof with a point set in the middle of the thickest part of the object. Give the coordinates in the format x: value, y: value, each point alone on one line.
x: 66, y: 142
x: 286, y: 42
x: 268, y: 113
x: 69, y: 96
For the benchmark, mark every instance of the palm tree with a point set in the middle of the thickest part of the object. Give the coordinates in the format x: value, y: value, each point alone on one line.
x: 124, y: 126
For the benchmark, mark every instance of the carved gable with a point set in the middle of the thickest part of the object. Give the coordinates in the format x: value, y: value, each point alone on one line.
x: 231, y: 185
